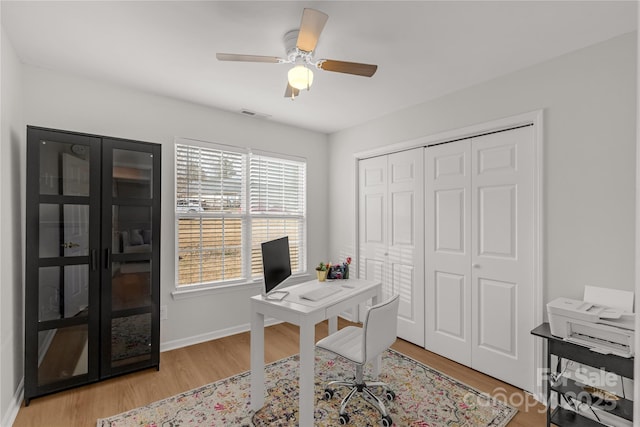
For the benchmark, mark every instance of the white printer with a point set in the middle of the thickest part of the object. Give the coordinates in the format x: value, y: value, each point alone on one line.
x: 601, y: 328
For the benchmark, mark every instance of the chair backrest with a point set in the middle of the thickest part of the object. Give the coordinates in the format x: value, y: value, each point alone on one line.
x: 380, y: 327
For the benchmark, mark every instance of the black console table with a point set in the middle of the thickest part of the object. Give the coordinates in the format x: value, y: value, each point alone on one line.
x: 622, y: 408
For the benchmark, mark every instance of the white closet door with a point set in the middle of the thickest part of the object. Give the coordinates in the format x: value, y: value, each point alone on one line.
x: 479, y: 266
x: 502, y: 256
x: 406, y: 241
x: 372, y: 232
x: 391, y: 233
x: 447, y: 250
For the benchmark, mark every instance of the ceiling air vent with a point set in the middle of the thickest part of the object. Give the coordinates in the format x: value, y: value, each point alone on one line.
x: 250, y: 113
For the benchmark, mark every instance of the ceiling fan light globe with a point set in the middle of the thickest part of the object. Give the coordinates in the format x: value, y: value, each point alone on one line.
x: 300, y: 77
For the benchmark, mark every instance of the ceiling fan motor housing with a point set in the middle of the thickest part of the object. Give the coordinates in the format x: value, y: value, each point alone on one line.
x: 295, y: 55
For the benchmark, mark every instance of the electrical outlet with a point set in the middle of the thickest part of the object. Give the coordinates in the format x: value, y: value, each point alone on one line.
x: 163, y: 312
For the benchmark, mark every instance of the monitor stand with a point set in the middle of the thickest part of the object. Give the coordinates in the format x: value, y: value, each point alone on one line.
x: 276, y: 295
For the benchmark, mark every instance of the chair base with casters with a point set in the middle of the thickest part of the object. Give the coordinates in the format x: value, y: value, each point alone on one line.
x: 359, y: 346
x: 358, y: 385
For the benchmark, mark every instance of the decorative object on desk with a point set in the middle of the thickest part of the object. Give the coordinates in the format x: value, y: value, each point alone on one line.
x: 339, y: 271
x: 428, y: 398
x: 321, y: 270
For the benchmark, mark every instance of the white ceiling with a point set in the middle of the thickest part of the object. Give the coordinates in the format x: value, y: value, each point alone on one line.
x: 423, y: 49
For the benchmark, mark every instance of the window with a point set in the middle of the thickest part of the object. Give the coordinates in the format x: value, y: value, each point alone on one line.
x: 228, y: 201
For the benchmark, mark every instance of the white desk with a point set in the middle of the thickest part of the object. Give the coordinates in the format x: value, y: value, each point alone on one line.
x: 305, y: 314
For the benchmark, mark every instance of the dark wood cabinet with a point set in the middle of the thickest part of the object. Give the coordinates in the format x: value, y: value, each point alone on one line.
x: 92, y: 259
x: 577, y: 392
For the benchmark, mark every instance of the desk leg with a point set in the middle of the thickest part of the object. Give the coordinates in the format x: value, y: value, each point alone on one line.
x: 257, y: 360
x: 307, y: 361
x: 333, y: 324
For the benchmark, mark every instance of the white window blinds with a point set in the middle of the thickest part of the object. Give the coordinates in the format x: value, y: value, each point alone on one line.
x: 227, y: 204
x: 277, y: 201
x: 276, y: 186
x: 213, y: 178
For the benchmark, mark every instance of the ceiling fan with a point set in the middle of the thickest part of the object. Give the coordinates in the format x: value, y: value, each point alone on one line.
x: 300, y: 45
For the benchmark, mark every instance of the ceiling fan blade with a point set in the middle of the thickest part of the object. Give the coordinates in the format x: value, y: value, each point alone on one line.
x: 310, y: 28
x: 291, y: 92
x: 356, y: 68
x: 246, y: 58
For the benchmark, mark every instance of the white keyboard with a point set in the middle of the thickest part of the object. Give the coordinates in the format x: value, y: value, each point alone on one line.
x: 320, y: 293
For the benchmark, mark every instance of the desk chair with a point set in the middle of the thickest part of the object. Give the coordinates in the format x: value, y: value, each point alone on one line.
x: 361, y: 345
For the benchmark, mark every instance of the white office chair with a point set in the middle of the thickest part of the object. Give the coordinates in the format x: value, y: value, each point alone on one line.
x: 361, y: 345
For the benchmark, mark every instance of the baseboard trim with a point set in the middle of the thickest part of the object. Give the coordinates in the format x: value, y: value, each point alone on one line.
x: 221, y: 333
x: 214, y: 335
x: 14, y: 406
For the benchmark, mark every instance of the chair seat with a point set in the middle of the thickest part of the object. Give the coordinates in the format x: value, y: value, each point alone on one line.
x: 346, y: 342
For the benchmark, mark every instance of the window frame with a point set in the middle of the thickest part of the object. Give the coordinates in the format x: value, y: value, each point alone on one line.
x: 247, y: 217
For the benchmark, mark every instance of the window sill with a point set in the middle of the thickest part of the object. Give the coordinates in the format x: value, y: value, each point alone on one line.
x: 255, y: 286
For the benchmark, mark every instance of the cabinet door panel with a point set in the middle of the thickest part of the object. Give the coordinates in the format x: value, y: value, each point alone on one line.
x: 64, y: 354
x: 64, y: 230
x: 132, y: 171
x: 130, y: 299
x: 61, y: 275
x: 131, y: 285
x: 63, y: 292
x: 130, y: 339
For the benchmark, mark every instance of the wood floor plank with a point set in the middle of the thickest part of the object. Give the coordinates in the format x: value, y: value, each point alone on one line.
x: 193, y: 366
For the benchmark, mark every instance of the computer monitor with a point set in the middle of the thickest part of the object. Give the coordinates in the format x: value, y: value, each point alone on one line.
x: 276, y: 266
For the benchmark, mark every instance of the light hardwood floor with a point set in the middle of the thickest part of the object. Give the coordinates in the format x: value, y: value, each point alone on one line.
x: 196, y: 365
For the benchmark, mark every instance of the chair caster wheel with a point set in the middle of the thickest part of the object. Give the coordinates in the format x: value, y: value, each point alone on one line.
x: 328, y: 393
x: 386, y: 421
x: 344, y: 419
x: 390, y: 395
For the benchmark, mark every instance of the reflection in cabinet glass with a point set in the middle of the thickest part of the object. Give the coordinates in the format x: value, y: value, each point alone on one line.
x: 92, y: 288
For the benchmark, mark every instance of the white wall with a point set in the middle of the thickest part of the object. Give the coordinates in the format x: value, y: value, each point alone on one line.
x: 12, y: 137
x: 589, y: 102
x: 68, y: 102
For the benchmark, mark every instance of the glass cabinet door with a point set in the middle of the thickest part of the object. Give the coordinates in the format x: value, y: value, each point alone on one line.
x: 131, y: 204
x: 92, y: 259
x: 62, y: 275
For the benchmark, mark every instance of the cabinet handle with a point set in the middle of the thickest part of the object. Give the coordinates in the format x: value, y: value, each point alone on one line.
x: 107, y: 259
x: 475, y: 265
x: 94, y: 259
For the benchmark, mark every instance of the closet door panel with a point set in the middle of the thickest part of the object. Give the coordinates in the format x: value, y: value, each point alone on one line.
x: 497, y: 221
x: 450, y: 292
x: 449, y: 207
x: 496, y: 327
x: 406, y: 240
x: 372, y: 224
x: 447, y: 250
x: 502, y: 251
x: 391, y: 233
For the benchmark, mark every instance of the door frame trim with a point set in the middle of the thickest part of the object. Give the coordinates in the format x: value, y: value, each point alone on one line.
x: 535, y: 118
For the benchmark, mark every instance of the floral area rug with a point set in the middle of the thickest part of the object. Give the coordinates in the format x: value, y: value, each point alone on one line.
x: 424, y: 398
